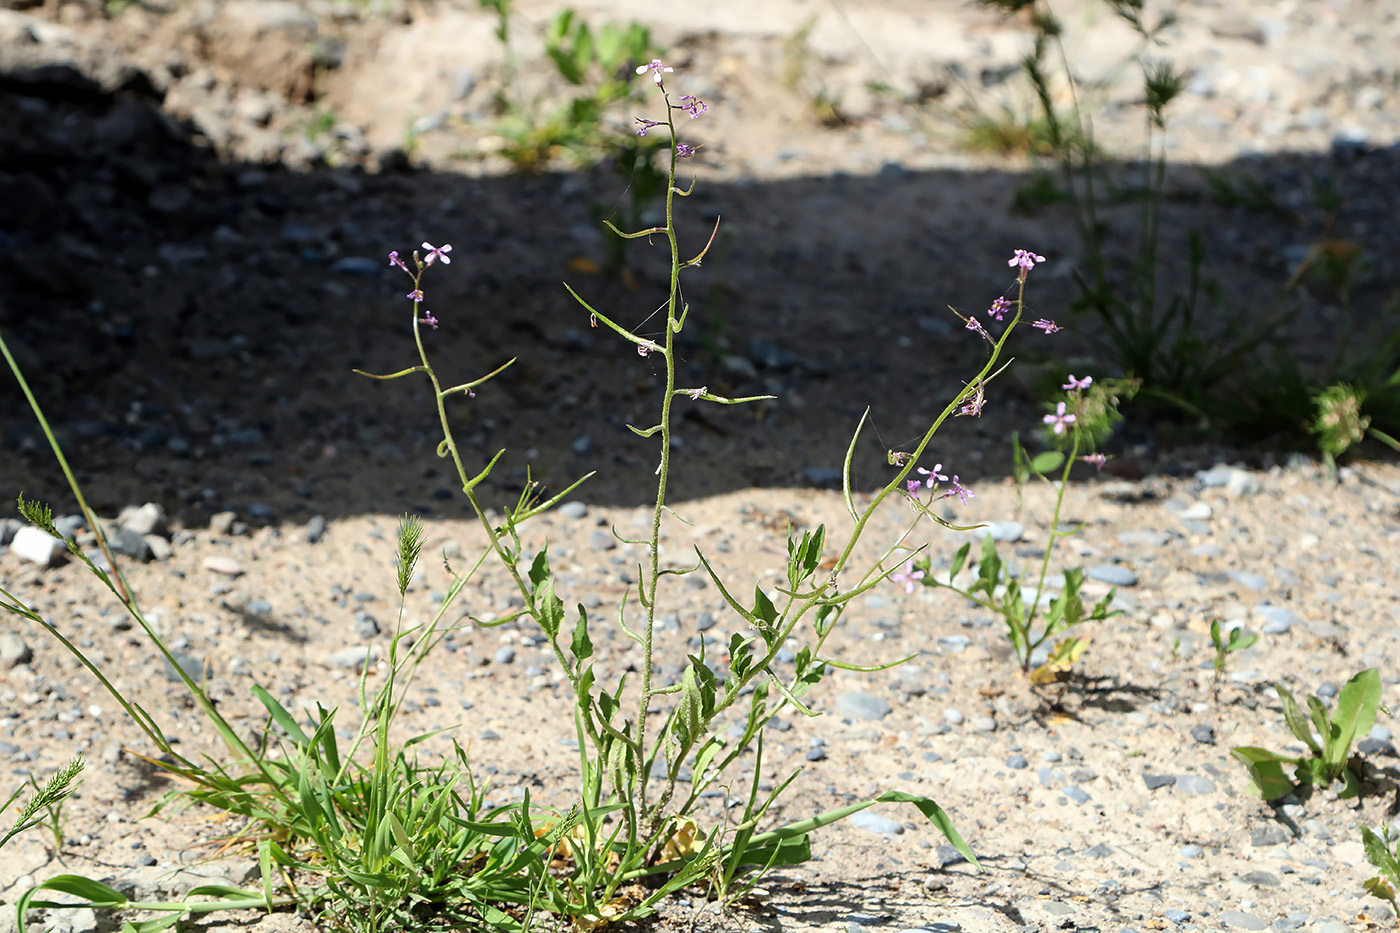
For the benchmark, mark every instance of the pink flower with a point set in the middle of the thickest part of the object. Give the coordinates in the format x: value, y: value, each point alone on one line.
x: 1074, y: 383
x: 695, y: 107
x: 437, y: 252
x: 1059, y: 420
x: 644, y: 126
x: 683, y: 151
x: 1048, y: 326
x: 656, y: 68
x: 1026, y: 260
x: 416, y: 294
x: 428, y: 319
x: 999, y: 308
x: 908, y: 577
x: 1098, y: 460
x: 934, y: 477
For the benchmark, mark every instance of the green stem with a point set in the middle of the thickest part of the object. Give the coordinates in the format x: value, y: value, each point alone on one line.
x: 1049, y: 549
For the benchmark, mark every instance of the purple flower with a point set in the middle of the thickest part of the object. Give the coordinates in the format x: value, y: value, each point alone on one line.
x: 1048, y: 326
x: 975, y: 326
x: 1098, y: 460
x: 437, y: 252
x: 1059, y: 420
x: 644, y: 126
x: 428, y: 319
x: 695, y: 107
x: 416, y: 294
x: 656, y: 68
x: 1074, y: 383
x: 974, y: 403
x: 914, y: 487
x: 683, y: 151
x: 908, y: 577
x: 394, y: 260
x: 934, y: 477
x: 999, y: 308
x: 1026, y: 260
x: 959, y: 490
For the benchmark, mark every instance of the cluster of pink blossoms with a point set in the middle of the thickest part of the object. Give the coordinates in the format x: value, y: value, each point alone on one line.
x: 693, y: 106
x: 434, y: 254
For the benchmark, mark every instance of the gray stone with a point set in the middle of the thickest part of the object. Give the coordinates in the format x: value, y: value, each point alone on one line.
x: 1001, y: 531
x: 1155, y: 781
x: 14, y: 651
x: 130, y: 543
x: 705, y: 621
x: 226, y: 566
x: 1144, y: 538
x: 1242, y: 920
x: 816, y: 753
x: 504, y: 654
x: 1099, y: 850
x: 573, y: 509
x: 196, y: 669
x: 1203, y: 733
x: 1194, y: 785
x: 160, y: 548
x: 874, y: 823
x: 365, y: 625
x: 984, y: 724
x: 148, y: 519
x: 1215, y: 477
x: 1196, y: 511
x: 352, y: 658
x: 1191, y: 852
x: 1277, y: 620
x: 315, y: 529
x: 1017, y: 762
x: 1260, y: 879
x: 1176, y: 916
x: 1077, y: 794
x: 863, y: 706
x: 38, y: 547
x: 602, y: 541
x: 1112, y: 574
x: 1241, y: 483
x: 946, y: 854
x: 1270, y: 834
x: 1252, y: 580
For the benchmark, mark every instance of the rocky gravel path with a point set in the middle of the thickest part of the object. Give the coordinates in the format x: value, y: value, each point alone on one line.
x: 191, y: 260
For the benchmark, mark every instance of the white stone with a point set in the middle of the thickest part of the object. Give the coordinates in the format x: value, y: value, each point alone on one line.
x: 38, y: 546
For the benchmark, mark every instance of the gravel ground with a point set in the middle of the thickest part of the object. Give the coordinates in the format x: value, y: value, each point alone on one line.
x: 188, y: 283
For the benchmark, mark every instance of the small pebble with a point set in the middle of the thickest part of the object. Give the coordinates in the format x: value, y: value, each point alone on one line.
x: 873, y: 822
x: 863, y: 706
x: 1112, y: 574
x: 223, y: 565
x: 1194, y: 785
x: 953, y: 716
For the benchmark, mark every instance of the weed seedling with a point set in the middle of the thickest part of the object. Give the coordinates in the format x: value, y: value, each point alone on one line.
x: 1227, y: 644
x: 1357, y: 703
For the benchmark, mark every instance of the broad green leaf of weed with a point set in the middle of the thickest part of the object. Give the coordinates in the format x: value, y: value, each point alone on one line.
x: 1265, y: 770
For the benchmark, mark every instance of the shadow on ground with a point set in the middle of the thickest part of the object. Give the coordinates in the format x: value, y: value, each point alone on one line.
x: 190, y: 327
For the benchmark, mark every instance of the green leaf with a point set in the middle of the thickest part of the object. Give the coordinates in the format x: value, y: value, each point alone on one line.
x: 581, y: 645
x: 959, y: 559
x: 1378, y: 853
x: 281, y: 716
x: 1318, y: 714
x: 1047, y: 462
x: 1265, y: 770
x: 1297, y: 724
x: 1357, y: 703
x: 763, y: 608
